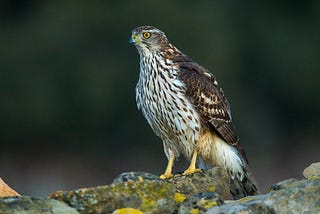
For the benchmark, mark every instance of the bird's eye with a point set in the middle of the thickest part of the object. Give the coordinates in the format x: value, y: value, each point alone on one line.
x: 146, y: 35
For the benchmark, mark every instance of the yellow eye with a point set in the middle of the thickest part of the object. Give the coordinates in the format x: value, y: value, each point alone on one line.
x: 146, y: 35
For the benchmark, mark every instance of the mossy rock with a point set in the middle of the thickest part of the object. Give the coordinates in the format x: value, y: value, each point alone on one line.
x: 200, y: 203
x: 212, y: 180
x: 289, y: 196
x: 144, y: 195
x: 29, y: 205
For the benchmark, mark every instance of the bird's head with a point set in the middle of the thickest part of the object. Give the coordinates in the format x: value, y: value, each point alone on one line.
x: 148, y: 39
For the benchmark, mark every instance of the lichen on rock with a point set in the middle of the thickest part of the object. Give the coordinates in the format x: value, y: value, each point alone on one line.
x: 200, y: 203
x: 212, y: 180
x: 289, y: 196
x: 312, y: 171
x: 29, y: 205
x: 147, y: 196
x: 206, y: 192
x: 127, y: 210
x: 193, y: 193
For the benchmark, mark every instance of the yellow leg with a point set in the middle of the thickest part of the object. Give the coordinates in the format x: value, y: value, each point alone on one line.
x: 168, y: 172
x: 192, y: 168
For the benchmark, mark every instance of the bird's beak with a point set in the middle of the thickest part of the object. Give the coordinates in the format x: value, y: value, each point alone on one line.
x: 133, y: 39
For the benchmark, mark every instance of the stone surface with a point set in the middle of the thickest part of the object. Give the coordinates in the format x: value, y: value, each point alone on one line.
x: 5, y: 190
x: 199, y: 203
x: 206, y: 192
x: 212, y: 180
x: 312, y: 171
x: 136, y: 176
x: 127, y: 211
x: 147, y: 196
x: 290, y: 196
x: 28, y: 205
x: 195, y: 192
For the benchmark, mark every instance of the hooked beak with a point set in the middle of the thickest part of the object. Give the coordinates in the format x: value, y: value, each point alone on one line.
x: 133, y: 39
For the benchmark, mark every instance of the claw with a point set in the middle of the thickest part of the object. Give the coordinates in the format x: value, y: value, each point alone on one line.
x: 166, y: 176
x: 191, y: 171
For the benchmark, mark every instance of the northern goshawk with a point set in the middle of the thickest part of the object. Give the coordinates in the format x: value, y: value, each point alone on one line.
x: 186, y: 108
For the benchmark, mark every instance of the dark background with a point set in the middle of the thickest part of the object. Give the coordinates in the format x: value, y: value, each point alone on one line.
x: 67, y: 86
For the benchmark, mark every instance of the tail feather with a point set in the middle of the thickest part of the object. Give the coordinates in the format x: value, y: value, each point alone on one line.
x: 243, y: 185
x: 214, y: 151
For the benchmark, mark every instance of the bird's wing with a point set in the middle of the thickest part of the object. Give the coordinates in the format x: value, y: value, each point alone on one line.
x: 207, y: 97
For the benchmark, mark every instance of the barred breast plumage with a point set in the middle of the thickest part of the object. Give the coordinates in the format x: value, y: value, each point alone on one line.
x: 161, y: 97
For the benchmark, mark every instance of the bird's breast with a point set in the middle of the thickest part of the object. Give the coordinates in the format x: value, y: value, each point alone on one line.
x: 161, y: 96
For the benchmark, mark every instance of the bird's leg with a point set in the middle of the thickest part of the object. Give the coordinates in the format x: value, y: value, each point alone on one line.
x: 168, y: 172
x: 192, y: 167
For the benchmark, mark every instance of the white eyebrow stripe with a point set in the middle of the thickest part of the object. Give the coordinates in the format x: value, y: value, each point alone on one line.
x: 151, y: 31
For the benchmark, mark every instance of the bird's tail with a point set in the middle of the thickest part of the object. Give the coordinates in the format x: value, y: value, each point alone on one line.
x: 242, y: 184
x: 221, y: 154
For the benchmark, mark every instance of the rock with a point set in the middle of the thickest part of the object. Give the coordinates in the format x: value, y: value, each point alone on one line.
x: 147, y: 196
x: 199, y: 203
x: 195, y: 192
x: 290, y: 196
x: 150, y: 194
x: 136, y: 176
x: 283, y: 184
x: 29, y: 205
x: 312, y: 171
x: 206, y: 192
x: 212, y: 180
x: 5, y: 190
x: 127, y: 211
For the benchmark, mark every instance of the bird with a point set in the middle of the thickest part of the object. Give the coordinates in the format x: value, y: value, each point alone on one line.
x: 185, y: 106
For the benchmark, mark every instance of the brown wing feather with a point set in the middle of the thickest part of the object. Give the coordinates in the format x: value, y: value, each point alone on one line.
x: 208, y: 98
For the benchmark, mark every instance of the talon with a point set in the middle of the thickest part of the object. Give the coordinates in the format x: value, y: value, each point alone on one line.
x: 191, y: 171
x: 166, y: 176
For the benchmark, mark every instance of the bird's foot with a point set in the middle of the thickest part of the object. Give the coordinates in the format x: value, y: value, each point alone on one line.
x: 168, y: 173
x: 192, y: 167
x: 166, y: 176
x: 190, y: 171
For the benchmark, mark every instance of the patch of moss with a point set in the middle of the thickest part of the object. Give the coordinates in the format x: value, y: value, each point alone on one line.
x: 143, y: 195
x: 211, y: 188
x: 179, y: 198
x: 127, y: 211
x: 207, y: 203
x: 147, y: 191
x: 313, y: 177
x: 194, y: 211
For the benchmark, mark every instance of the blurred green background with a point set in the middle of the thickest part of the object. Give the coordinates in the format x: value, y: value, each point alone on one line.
x: 68, y: 76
